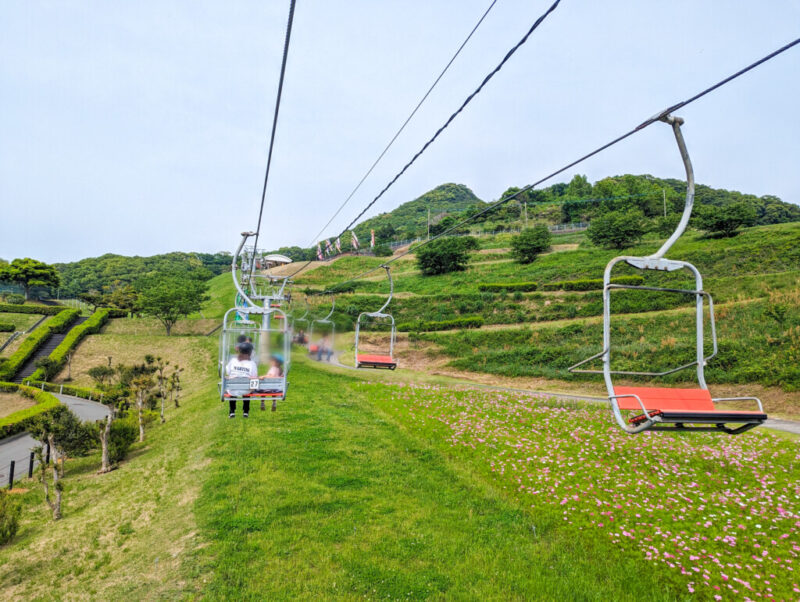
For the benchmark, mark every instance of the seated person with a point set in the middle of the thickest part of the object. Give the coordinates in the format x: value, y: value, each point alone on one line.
x: 324, y: 348
x: 241, y: 366
x: 275, y: 368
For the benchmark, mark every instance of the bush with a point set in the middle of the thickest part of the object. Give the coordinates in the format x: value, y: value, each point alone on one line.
x: 617, y: 229
x: 44, y: 310
x: 58, y: 357
x: 15, y: 299
x: 429, y: 326
x: 7, y: 327
x: 726, y: 220
x: 445, y: 255
x: 9, y: 517
x: 124, y: 433
x: 530, y: 243
x: 589, y: 284
x: 382, y: 250
x: 19, y: 421
x: 494, y: 287
x: 58, y: 324
x: 666, y: 224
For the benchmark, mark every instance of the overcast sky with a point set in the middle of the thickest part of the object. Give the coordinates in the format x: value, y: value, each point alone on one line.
x: 142, y: 127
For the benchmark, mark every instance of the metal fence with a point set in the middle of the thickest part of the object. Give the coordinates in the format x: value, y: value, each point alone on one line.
x: 556, y: 229
x: 21, y: 468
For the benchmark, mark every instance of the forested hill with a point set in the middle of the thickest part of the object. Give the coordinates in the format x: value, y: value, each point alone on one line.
x: 100, y: 273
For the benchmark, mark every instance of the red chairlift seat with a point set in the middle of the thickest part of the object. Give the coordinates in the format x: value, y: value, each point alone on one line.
x: 684, y: 406
x: 375, y: 361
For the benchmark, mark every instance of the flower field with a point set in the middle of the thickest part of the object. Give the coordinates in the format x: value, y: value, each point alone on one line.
x: 714, y: 515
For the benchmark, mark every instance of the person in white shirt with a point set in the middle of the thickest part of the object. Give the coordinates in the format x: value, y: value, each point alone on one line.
x: 241, y: 366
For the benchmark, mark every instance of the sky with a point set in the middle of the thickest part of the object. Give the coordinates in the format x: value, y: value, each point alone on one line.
x: 142, y: 127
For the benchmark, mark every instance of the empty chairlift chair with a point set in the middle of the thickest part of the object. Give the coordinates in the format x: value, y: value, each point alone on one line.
x: 660, y: 408
x: 326, y: 327
x: 377, y: 360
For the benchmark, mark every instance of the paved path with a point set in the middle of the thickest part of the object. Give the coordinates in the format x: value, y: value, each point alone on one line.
x: 19, y: 446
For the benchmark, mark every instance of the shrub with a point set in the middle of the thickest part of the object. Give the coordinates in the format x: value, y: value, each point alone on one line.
x: 9, y: 517
x: 429, y: 326
x: 44, y: 310
x: 15, y: 299
x: 124, y: 433
x: 382, y: 250
x: 59, y: 355
x: 494, y: 287
x: 58, y: 324
x: 445, y: 255
x: 589, y: 284
x: 4, y: 327
x: 530, y: 243
x: 19, y: 421
x: 617, y: 229
x: 726, y: 220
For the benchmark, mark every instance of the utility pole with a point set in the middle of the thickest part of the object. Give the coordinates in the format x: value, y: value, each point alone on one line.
x: 665, y: 201
x: 429, y: 223
x: 526, y: 214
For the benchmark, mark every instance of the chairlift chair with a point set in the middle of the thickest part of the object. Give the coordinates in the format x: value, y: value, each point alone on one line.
x: 370, y: 360
x: 325, y: 324
x: 270, y: 338
x: 660, y: 408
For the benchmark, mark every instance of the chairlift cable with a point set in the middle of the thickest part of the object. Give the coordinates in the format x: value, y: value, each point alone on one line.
x: 648, y: 122
x: 405, y: 123
x: 274, y: 123
x: 450, y: 119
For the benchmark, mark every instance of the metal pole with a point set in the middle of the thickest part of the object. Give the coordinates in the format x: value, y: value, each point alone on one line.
x: 47, y: 455
x: 30, y: 466
x: 526, y: 214
x: 665, y: 201
x: 11, y: 474
x: 429, y: 222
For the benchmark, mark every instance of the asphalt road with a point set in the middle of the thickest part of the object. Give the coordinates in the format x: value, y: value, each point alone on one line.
x: 19, y: 446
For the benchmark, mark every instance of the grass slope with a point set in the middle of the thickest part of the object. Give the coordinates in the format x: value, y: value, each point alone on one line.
x: 330, y: 498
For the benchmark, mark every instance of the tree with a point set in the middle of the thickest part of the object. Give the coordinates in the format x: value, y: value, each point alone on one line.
x: 171, y: 297
x: 579, y: 187
x: 617, y: 229
x: 666, y: 224
x: 382, y: 250
x: 444, y: 255
x: 527, y: 246
x: 30, y: 273
x: 727, y: 220
x: 142, y: 386
x: 93, y: 298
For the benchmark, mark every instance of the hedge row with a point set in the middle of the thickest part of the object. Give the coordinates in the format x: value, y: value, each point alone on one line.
x: 75, y: 336
x: 508, y: 286
x: 423, y: 326
x: 589, y: 284
x: 4, y: 327
x: 18, y: 421
x: 117, y: 313
x: 36, y: 339
x: 83, y: 393
x: 44, y: 310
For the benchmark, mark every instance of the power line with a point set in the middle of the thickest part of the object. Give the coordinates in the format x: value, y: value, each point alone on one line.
x: 405, y: 123
x: 450, y: 119
x: 275, y: 121
x: 648, y: 122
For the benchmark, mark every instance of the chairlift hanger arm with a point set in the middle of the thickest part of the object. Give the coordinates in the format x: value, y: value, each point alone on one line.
x: 391, y: 290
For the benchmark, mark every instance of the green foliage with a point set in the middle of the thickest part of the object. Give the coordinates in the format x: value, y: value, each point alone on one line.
x: 727, y: 220
x: 444, y: 255
x: 9, y: 517
x: 410, y: 219
x: 530, y: 243
x: 20, y: 421
x: 423, y: 326
x: 617, y: 229
x: 14, y: 299
x: 382, y: 250
x: 170, y: 298
x: 508, y: 286
x: 124, y: 432
x: 5, y: 327
x: 58, y: 358
x: 110, y: 272
x: 72, y: 437
x: 29, y: 274
x: 589, y: 284
x: 665, y: 224
x: 36, y: 339
x: 45, y: 310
